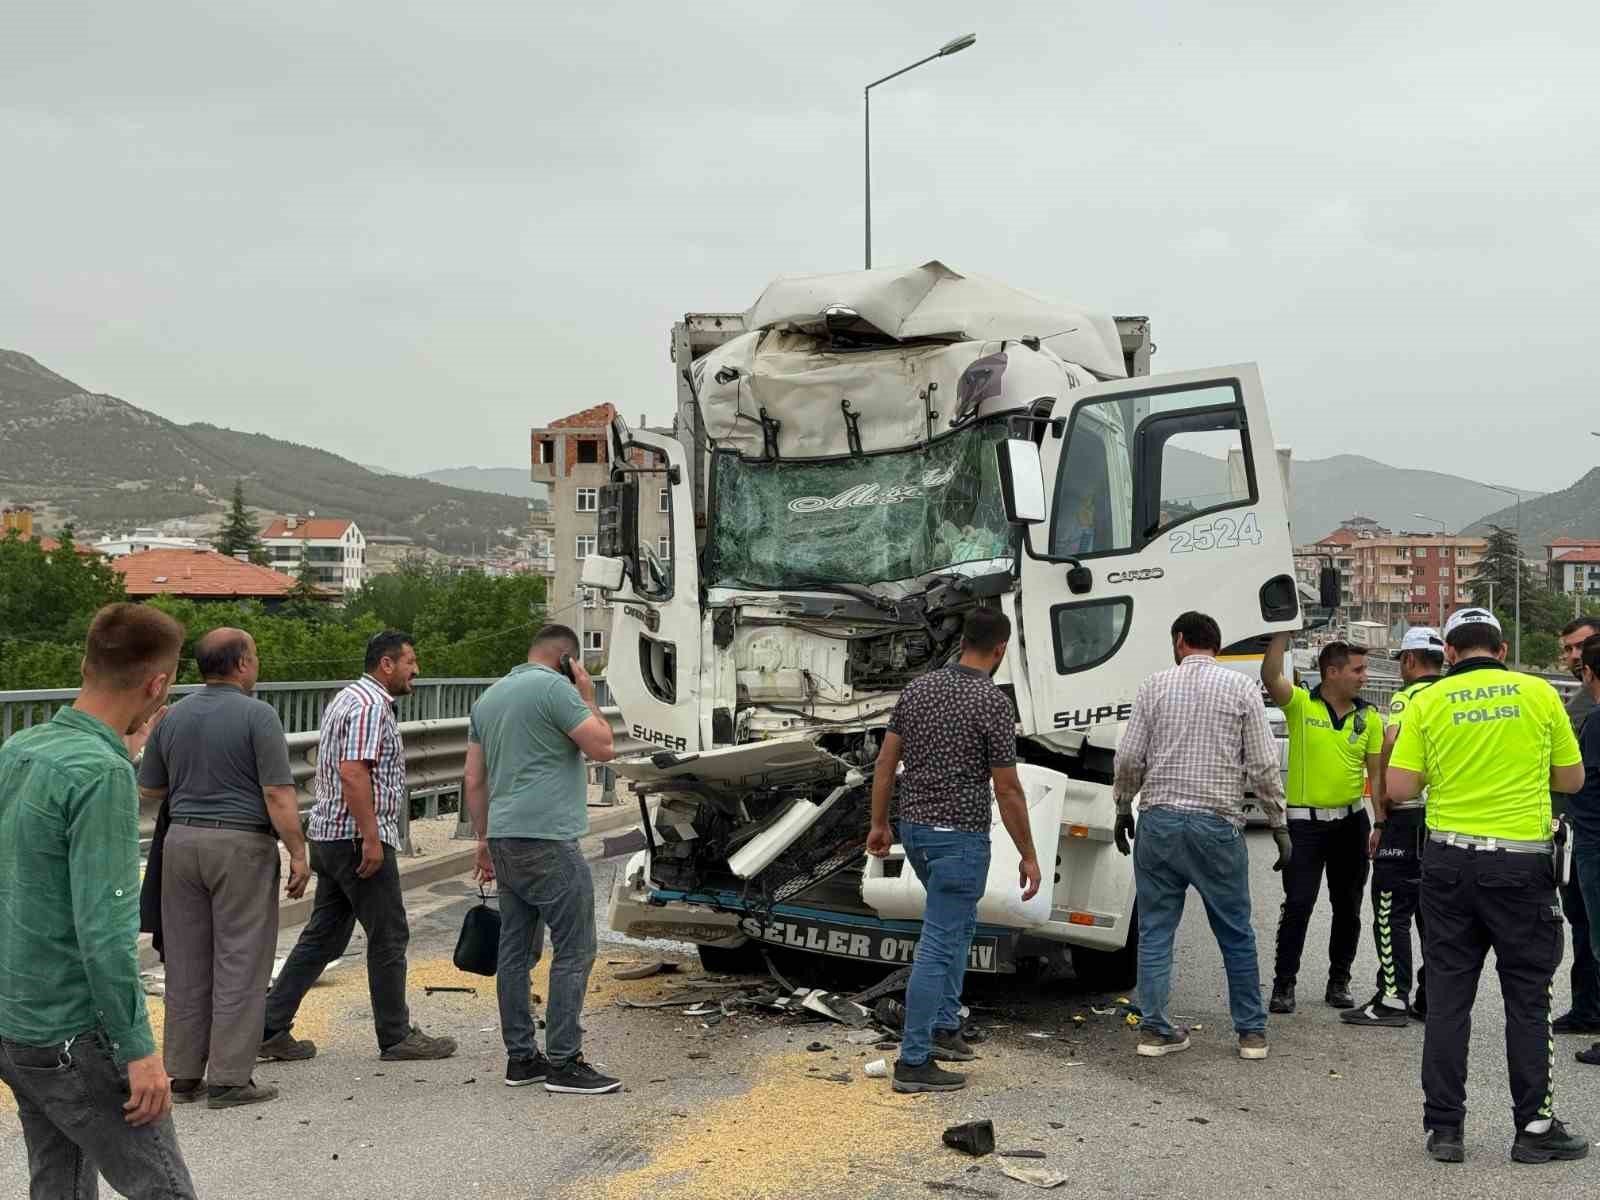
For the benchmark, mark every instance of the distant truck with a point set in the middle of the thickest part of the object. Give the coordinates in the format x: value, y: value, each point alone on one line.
x: 1374, y: 635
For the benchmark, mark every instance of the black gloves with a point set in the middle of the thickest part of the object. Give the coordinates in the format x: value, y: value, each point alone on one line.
x: 1285, y: 849
x: 1123, y: 832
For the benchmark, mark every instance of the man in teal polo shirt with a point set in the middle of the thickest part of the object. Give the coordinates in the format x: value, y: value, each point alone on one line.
x: 1335, y: 742
x: 75, y: 1041
x: 528, y: 800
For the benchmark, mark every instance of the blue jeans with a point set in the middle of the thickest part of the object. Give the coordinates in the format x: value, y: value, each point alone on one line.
x: 1172, y: 852
x: 543, y: 884
x: 953, y: 867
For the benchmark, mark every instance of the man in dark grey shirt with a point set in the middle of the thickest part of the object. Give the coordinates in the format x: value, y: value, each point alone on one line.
x: 956, y: 733
x: 220, y: 763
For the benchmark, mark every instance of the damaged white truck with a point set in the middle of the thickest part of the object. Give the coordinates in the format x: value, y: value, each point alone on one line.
x: 855, y: 463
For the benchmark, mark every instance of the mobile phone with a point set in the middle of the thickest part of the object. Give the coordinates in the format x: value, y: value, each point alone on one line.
x: 566, y: 668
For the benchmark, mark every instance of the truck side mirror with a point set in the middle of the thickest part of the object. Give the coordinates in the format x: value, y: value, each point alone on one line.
x: 602, y: 572
x: 1328, y: 587
x: 618, y: 534
x: 1021, y: 481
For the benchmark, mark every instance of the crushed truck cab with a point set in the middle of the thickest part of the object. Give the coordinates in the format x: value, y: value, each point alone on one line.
x: 856, y: 463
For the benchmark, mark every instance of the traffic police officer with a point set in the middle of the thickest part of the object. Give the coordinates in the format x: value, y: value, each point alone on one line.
x: 1397, y: 836
x: 1334, y: 737
x: 1489, y: 744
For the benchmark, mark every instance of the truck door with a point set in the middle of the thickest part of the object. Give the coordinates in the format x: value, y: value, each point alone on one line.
x: 1166, y: 496
x: 653, y: 660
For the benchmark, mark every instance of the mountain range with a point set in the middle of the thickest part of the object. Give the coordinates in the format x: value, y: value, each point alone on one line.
x: 503, y: 481
x: 106, y: 464
x: 1327, y: 491
x: 1572, y: 512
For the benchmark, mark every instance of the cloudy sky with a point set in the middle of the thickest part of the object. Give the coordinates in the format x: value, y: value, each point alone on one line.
x: 407, y: 232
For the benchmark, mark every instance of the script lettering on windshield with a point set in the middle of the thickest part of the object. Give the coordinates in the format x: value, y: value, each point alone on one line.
x: 864, y: 495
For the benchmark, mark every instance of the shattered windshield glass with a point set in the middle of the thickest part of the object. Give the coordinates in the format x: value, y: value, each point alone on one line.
x: 873, y: 519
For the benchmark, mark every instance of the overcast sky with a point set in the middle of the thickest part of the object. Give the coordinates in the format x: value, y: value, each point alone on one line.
x: 408, y: 232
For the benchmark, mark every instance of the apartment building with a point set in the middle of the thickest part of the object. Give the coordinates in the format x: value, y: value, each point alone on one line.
x: 573, y: 456
x: 1397, y: 578
x: 335, y: 547
x: 1574, y: 565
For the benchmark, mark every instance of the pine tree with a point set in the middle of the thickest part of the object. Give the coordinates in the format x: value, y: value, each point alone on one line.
x: 305, y: 599
x: 240, y: 534
x: 1499, y: 566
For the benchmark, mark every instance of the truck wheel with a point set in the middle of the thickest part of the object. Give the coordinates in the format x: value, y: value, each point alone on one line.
x: 1109, y: 970
x: 733, y: 960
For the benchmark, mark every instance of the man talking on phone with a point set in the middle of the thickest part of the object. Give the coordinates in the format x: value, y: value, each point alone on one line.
x: 956, y: 733
x: 528, y: 801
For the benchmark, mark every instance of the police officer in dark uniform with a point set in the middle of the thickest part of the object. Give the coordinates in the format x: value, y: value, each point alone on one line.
x: 1489, y: 744
x: 1398, y: 833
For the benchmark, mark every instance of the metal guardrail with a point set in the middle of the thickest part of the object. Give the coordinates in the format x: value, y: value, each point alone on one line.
x: 299, y: 705
x: 1381, y: 691
x: 436, y: 758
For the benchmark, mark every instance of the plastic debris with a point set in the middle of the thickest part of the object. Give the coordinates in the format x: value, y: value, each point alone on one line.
x: 645, y: 970
x: 878, y: 1068
x: 1040, y: 1034
x: 972, y: 1137
x: 1039, y: 1177
x: 818, y: 1047
x: 862, y: 1037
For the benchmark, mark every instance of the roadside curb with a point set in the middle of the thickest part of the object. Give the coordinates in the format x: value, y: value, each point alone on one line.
x: 420, y: 872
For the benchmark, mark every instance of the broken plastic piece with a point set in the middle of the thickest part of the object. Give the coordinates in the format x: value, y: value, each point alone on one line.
x: 972, y: 1137
x: 1039, y: 1177
x: 645, y: 970
x: 878, y: 1068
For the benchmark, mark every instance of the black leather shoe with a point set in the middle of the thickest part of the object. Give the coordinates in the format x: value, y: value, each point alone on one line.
x: 1553, y: 1145
x: 1589, y: 1058
x: 1569, y: 1022
x: 1338, y: 995
x: 1445, y: 1145
x: 1282, y: 998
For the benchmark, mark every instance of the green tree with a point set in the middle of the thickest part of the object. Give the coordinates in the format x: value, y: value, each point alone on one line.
x: 1499, y: 566
x: 52, y: 594
x: 240, y: 534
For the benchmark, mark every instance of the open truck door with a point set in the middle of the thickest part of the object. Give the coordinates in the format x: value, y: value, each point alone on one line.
x: 1165, y: 496
x: 647, y: 564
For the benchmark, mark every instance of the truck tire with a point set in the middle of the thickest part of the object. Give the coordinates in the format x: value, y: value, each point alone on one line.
x: 733, y: 960
x: 1109, y: 970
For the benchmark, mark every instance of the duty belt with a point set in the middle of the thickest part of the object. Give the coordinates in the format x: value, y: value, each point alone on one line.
x: 1324, y: 814
x: 1466, y: 841
x: 1408, y: 806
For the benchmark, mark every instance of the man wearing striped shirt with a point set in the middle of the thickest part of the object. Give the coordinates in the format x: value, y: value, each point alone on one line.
x: 1198, y: 737
x: 354, y: 835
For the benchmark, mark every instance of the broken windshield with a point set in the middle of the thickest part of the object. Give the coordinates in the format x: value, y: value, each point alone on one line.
x: 870, y: 519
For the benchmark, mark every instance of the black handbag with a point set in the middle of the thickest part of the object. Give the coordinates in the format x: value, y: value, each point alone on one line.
x: 478, y: 947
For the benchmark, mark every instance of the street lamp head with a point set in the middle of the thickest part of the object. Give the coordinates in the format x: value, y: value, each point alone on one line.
x: 958, y: 45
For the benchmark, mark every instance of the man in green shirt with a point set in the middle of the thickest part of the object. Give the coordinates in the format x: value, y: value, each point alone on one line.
x: 75, y: 1041
x: 1335, y: 739
x: 528, y: 800
x: 1490, y: 745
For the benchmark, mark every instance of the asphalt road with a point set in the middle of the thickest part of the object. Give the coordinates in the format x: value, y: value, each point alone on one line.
x: 743, y: 1109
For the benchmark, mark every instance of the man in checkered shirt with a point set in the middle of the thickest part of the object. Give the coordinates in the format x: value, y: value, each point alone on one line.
x: 354, y: 834
x: 1197, y: 739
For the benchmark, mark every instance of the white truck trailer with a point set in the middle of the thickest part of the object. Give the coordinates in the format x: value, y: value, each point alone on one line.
x: 856, y: 462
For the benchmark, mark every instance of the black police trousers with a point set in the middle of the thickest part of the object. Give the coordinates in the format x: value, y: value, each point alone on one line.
x: 1474, y: 901
x: 1396, y: 892
x: 1338, y: 848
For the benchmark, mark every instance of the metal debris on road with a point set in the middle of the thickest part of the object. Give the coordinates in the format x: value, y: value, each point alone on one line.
x: 1020, y: 1153
x: 818, y: 1047
x: 862, y: 1037
x: 465, y: 991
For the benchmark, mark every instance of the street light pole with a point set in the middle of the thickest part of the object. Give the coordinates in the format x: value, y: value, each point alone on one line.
x: 1517, y: 614
x: 954, y: 46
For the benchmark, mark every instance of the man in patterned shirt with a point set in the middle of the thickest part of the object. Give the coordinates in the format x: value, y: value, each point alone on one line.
x: 957, y: 736
x: 354, y: 834
x: 1197, y: 738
